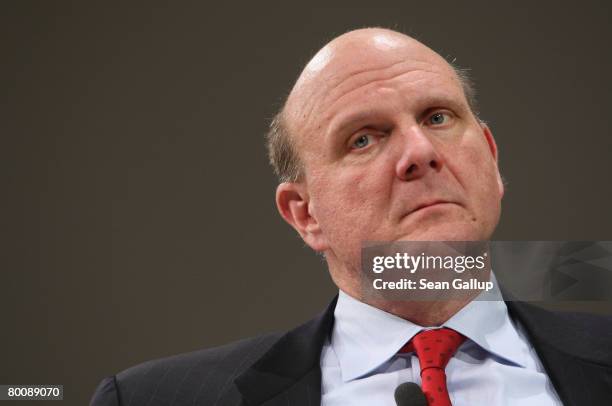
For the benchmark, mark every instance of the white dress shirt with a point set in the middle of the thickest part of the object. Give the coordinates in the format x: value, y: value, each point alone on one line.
x: 495, y: 365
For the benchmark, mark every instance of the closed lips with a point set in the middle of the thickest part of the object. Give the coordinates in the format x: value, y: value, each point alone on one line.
x: 424, y: 205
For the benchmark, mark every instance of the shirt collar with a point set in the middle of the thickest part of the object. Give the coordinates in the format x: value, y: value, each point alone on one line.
x: 486, y: 322
x: 364, y: 337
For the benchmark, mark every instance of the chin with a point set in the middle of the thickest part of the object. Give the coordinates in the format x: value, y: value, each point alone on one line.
x: 448, y: 231
x: 446, y: 223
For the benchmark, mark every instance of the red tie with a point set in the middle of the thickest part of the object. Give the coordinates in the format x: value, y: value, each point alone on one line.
x: 434, y: 349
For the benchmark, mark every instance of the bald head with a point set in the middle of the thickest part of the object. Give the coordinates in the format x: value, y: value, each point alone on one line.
x: 341, y: 65
x: 350, y: 54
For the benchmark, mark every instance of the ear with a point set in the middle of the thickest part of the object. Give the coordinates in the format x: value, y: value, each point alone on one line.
x: 293, y: 204
x: 493, y: 148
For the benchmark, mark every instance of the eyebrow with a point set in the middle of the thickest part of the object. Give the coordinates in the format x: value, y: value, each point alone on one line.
x: 353, y: 119
x: 357, y: 117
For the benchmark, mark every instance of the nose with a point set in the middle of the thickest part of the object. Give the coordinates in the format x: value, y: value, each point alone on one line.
x: 419, y: 156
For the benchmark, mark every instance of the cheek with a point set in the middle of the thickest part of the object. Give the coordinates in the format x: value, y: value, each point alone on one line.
x: 478, y: 172
x: 352, y: 196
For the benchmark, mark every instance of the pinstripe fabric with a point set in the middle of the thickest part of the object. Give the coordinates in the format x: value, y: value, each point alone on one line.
x: 283, y: 370
x: 270, y: 370
x: 199, y: 378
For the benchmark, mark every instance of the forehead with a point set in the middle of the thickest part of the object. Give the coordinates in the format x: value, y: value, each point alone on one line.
x: 362, y: 52
x: 343, y: 75
x: 410, y: 81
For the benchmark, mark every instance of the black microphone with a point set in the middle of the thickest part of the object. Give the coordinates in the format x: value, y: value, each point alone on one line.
x: 409, y: 394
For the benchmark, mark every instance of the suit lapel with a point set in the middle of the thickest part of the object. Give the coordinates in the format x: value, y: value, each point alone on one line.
x: 306, y: 391
x: 289, y: 372
x: 574, y: 350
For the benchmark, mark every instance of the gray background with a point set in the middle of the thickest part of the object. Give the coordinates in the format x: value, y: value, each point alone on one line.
x: 137, y: 203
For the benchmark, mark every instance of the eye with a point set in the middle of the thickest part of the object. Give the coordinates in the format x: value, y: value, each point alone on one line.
x: 361, y: 142
x: 438, y: 118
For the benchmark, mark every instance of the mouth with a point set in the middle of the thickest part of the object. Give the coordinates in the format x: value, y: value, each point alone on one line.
x: 433, y: 203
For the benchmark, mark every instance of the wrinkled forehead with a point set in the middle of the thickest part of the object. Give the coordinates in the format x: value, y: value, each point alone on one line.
x: 349, y: 54
x: 345, y: 61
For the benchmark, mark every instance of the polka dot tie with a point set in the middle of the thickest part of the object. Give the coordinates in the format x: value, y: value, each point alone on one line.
x: 434, y: 348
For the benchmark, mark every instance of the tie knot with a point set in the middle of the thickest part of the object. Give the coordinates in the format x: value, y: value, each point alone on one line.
x: 434, y: 348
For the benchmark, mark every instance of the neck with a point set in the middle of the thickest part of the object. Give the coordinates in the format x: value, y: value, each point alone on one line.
x: 422, y: 313
x: 426, y: 313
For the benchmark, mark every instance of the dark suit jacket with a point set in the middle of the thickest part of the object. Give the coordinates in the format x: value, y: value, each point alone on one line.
x: 283, y: 369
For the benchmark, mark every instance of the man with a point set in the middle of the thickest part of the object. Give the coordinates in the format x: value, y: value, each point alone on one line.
x: 378, y: 141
